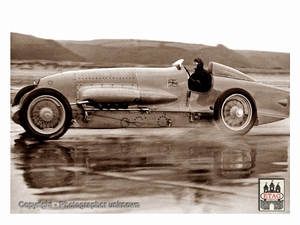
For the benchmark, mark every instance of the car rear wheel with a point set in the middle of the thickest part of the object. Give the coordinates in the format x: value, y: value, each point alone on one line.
x: 45, y: 114
x: 235, y: 113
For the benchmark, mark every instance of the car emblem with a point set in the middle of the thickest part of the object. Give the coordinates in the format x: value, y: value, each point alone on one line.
x: 172, y: 82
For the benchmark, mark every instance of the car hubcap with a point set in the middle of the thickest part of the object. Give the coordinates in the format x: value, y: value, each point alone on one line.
x: 235, y: 111
x: 46, y: 114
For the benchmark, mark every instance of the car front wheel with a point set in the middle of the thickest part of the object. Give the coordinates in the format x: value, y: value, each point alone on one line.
x: 45, y: 114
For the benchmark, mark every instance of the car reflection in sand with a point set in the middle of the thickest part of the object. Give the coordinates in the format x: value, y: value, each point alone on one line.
x: 50, y: 165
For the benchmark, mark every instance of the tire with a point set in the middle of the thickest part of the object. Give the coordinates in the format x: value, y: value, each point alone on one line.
x: 21, y: 93
x: 235, y: 112
x: 45, y: 114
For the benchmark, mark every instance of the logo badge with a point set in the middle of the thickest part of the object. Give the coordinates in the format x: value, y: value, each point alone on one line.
x: 271, y: 194
x: 172, y: 82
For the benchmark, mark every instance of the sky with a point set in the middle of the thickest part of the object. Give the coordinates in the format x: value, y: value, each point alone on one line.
x: 252, y: 25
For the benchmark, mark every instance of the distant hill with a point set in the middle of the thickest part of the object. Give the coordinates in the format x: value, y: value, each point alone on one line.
x: 106, y: 52
x: 26, y: 47
x: 272, y: 60
x: 152, y: 52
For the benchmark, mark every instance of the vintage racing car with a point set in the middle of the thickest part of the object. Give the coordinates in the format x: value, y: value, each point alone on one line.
x: 146, y: 97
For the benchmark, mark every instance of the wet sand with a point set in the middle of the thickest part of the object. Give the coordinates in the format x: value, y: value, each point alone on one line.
x: 160, y: 170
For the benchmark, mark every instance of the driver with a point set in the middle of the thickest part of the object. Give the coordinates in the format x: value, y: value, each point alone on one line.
x: 201, y: 79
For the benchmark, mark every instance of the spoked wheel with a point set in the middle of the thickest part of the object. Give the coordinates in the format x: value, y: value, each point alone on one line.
x: 45, y: 114
x: 236, y: 113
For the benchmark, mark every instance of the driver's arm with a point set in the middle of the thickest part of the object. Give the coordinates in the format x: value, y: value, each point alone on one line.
x: 195, y: 81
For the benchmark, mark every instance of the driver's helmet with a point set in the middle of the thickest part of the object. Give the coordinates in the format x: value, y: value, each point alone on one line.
x: 198, y: 63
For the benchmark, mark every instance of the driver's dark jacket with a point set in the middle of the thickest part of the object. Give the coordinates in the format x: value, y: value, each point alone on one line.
x: 200, y: 81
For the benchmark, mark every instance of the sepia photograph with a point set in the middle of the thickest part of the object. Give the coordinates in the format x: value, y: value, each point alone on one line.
x: 151, y: 107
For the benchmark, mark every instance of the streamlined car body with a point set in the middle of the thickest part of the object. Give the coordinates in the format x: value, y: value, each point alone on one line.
x: 146, y: 97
